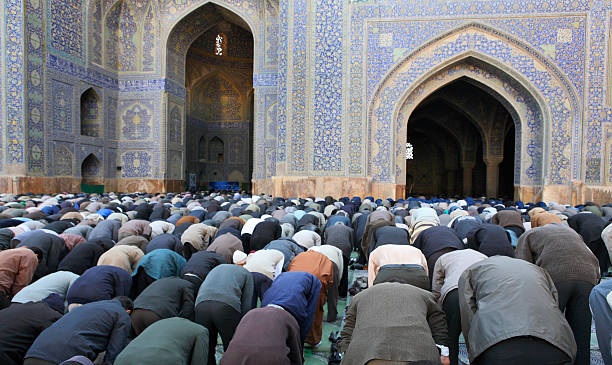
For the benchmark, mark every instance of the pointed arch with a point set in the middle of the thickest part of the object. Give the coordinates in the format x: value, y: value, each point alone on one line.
x: 538, y: 95
x: 91, y: 110
x: 91, y: 167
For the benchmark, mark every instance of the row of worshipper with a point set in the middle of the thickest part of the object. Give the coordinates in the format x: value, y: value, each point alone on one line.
x: 339, y: 224
x: 95, y: 270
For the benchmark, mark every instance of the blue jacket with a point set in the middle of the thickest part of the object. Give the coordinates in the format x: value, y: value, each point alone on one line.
x: 298, y: 293
x: 161, y: 263
x: 87, y: 330
x: 99, y: 283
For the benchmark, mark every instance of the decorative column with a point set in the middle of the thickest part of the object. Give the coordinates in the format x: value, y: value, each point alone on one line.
x: 492, y: 163
x: 468, y: 167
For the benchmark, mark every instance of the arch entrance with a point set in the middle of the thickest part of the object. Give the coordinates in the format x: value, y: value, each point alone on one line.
x: 543, y: 106
x: 210, y: 52
x: 459, y: 135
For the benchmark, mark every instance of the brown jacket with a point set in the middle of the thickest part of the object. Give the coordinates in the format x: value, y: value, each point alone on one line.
x: 136, y: 227
x: 199, y: 236
x: 225, y: 245
x: 187, y: 219
x: 17, y: 266
x: 395, y: 322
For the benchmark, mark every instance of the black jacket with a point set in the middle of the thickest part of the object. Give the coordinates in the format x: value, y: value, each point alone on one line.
x: 437, y: 238
x: 491, y: 240
x: 201, y: 263
x: 84, y: 255
x: 264, y: 233
x: 160, y: 212
x: 390, y: 235
x: 21, y: 324
x: 87, y: 331
x: 168, y: 297
x: 166, y: 240
x: 59, y: 226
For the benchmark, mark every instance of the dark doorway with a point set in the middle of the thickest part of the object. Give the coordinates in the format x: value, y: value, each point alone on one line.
x: 219, y: 83
x: 454, y: 133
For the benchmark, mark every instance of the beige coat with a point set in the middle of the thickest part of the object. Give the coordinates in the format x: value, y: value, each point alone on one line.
x: 123, y: 256
x: 199, y: 236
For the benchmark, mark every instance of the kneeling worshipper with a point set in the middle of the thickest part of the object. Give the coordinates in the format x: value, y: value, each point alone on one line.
x: 447, y: 271
x: 435, y: 242
x: 575, y: 271
x: 93, y: 328
x: 98, y: 283
x: 323, y: 268
x: 199, y: 265
x: 297, y: 292
x: 168, y: 341
x: 135, y: 227
x: 85, y: 255
x: 510, y: 315
x: 164, y: 298
x: 490, y: 240
x: 223, y: 298
x: 21, y: 324
x: 17, y: 268
x: 122, y: 256
x: 55, y: 283
x: 376, y: 332
x: 53, y: 250
x: 157, y: 264
x: 280, y: 346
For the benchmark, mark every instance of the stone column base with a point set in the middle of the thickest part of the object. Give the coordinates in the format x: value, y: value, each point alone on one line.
x: 52, y: 185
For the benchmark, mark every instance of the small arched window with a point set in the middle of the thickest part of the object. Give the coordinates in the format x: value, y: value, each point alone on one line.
x: 90, y: 113
x: 221, y: 44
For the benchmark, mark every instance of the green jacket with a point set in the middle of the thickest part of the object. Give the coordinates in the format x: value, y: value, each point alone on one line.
x: 169, y: 341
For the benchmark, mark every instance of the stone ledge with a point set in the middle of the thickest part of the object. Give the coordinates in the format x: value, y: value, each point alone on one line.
x: 51, y: 185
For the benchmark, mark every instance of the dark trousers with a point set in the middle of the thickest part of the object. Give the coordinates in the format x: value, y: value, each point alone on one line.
x: 453, y: 322
x: 332, y: 297
x: 574, y: 301
x: 140, y: 283
x: 34, y: 361
x: 523, y: 351
x: 343, y: 287
x: 141, y: 319
x: 403, y: 273
x: 601, y: 252
x: 219, y: 318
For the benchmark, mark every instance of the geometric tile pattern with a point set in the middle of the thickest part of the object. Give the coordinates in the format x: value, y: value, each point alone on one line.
x: 65, y: 24
x: 562, y: 104
x: 62, y: 106
x: 327, y: 113
x: 322, y: 63
x: 35, y: 95
x: 14, y: 53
